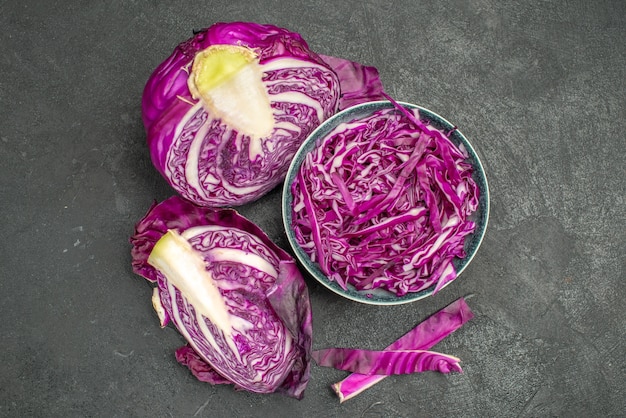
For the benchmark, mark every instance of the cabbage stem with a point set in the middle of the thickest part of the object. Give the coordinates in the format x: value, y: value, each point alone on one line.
x: 228, y: 80
x: 185, y: 268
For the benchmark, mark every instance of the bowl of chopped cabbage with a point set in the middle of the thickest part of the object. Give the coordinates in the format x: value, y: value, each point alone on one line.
x: 385, y: 203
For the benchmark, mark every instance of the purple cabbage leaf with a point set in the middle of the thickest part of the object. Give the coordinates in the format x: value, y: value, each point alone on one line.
x: 423, y: 337
x: 386, y: 362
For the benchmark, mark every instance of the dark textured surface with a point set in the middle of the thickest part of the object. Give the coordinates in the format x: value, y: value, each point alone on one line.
x: 538, y: 88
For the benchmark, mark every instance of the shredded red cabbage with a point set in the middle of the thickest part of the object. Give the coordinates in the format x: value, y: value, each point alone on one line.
x: 384, y: 202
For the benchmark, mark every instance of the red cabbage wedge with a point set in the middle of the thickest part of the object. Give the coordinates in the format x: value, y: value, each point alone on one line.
x: 237, y: 298
x: 226, y: 112
x: 424, y: 336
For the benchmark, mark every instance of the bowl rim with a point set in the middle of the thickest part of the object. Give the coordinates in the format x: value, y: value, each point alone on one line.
x: 346, y: 115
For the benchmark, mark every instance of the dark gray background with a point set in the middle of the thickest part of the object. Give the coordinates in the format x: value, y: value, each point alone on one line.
x: 537, y: 86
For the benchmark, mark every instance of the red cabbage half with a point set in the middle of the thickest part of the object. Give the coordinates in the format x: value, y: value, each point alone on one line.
x: 226, y: 112
x: 237, y: 298
x: 385, y: 202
